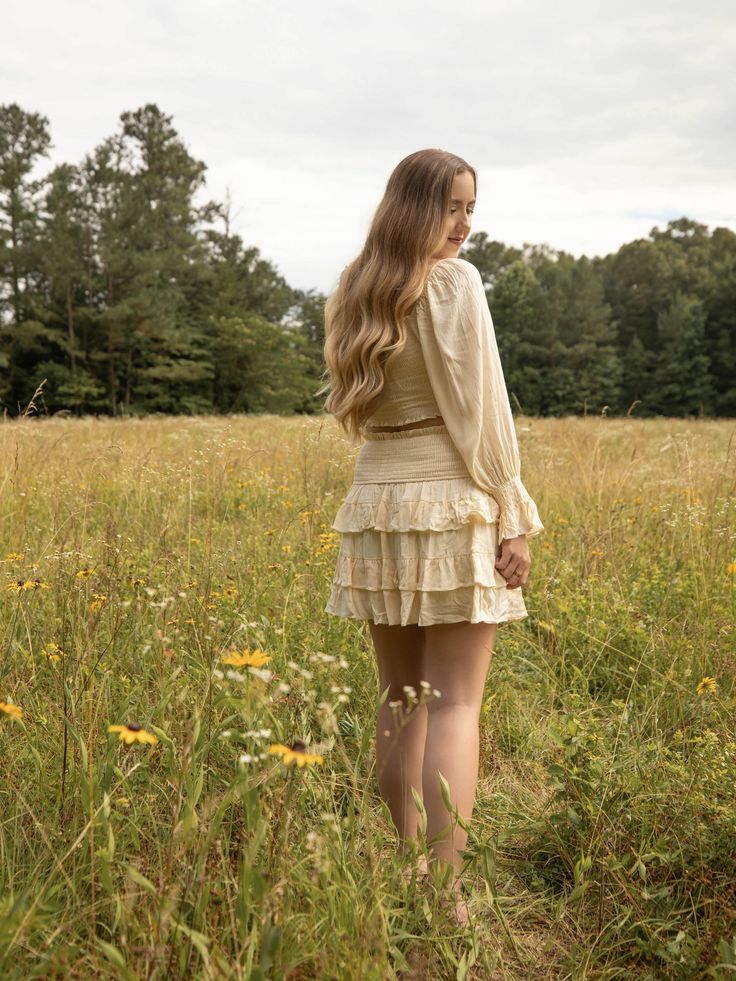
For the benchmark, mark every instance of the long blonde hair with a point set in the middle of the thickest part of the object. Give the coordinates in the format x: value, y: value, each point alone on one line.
x: 364, y: 326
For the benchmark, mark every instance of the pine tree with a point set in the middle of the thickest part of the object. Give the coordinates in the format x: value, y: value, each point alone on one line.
x: 523, y: 335
x: 681, y: 383
x: 24, y: 140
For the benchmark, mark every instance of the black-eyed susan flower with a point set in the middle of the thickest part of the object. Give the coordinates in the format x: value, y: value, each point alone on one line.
x: 85, y: 573
x: 52, y: 651
x: 12, y: 711
x: 296, y: 753
x: 22, y: 585
x: 14, y: 557
x: 706, y: 684
x: 254, y: 659
x: 133, y: 733
x: 731, y: 568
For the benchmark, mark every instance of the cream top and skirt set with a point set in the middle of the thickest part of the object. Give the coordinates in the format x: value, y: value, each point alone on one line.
x: 422, y: 522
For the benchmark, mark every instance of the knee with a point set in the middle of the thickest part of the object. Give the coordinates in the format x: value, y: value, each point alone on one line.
x: 459, y: 707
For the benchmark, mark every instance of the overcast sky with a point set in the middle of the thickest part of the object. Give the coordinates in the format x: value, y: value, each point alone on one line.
x: 588, y: 122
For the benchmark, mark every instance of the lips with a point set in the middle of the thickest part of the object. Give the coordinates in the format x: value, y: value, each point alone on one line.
x: 457, y: 241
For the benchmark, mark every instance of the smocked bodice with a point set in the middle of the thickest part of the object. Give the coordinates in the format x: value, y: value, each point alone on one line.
x: 407, y: 393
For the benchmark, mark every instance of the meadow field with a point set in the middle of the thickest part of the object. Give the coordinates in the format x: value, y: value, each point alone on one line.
x: 167, y: 576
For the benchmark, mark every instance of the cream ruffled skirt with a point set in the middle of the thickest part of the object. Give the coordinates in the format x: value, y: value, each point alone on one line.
x: 419, y: 538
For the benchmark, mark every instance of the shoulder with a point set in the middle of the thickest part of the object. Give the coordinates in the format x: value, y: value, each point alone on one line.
x: 452, y: 276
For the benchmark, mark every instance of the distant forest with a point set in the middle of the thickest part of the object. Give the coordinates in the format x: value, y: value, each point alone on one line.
x: 130, y: 299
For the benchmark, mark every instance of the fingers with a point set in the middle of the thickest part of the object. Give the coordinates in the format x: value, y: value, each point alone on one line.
x: 517, y: 578
x: 515, y: 571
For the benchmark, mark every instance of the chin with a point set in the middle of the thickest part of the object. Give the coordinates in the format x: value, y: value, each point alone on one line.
x: 448, y: 251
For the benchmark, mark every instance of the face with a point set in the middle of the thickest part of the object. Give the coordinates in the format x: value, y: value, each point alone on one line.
x: 459, y: 215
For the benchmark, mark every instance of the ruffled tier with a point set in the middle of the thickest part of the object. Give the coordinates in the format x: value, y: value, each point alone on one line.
x: 474, y: 603
x: 420, y: 552
x: 415, y: 505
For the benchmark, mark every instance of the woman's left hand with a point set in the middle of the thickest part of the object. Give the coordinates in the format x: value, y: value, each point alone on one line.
x: 514, y: 561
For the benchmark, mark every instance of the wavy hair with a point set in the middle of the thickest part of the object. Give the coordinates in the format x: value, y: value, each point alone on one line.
x: 364, y: 316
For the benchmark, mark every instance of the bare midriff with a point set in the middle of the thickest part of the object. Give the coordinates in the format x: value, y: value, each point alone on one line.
x: 433, y: 421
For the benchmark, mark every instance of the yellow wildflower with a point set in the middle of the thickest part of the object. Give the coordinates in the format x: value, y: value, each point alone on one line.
x: 133, y: 733
x: 12, y: 711
x: 85, y: 573
x: 296, y: 753
x: 706, y: 684
x: 20, y: 585
x: 255, y: 658
x: 52, y: 651
x: 14, y: 557
x: 731, y: 568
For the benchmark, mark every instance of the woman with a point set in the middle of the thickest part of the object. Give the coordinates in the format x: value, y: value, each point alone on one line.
x: 434, y: 528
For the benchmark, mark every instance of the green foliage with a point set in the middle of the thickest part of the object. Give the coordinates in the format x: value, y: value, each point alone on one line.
x: 110, y: 271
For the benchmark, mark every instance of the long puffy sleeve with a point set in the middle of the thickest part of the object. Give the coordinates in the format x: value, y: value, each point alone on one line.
x: 458, y: 342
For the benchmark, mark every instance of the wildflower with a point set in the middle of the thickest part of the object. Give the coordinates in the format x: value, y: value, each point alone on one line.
x: 85, y: 573
x: 21, y: 585
x: 137, y: 581
x: 133, y: 733
x: 255, y: 658
x: 731, y: 568
x: 706, y: 684
x: 52, y: 651
x: 14, y: 557
x: 12, y: 711
x: 296, y: 753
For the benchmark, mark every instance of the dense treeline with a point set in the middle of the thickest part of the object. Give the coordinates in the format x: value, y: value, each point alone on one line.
x: 130, y: 298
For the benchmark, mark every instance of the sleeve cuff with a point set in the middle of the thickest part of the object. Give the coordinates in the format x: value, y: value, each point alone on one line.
x: 519, y: 515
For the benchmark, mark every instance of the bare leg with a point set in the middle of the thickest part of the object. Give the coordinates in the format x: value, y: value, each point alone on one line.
x: 456, y: 661
x: 400, y: 749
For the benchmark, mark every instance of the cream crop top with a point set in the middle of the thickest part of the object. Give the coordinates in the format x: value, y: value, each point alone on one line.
x: 450, y: 366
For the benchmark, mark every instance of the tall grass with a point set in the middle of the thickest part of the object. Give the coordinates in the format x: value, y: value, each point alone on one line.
x: 136, y: 555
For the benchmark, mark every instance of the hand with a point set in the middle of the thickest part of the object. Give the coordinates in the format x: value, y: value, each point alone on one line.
x: 514, y: 562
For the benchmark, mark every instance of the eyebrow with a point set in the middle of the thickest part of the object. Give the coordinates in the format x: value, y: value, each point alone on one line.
x: 458, y: 201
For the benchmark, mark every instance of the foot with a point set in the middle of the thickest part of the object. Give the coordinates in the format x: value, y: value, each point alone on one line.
x: 420, y: 867
x: 460, y: 910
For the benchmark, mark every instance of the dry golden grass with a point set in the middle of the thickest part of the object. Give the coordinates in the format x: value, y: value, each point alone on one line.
x: 147, y: 550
